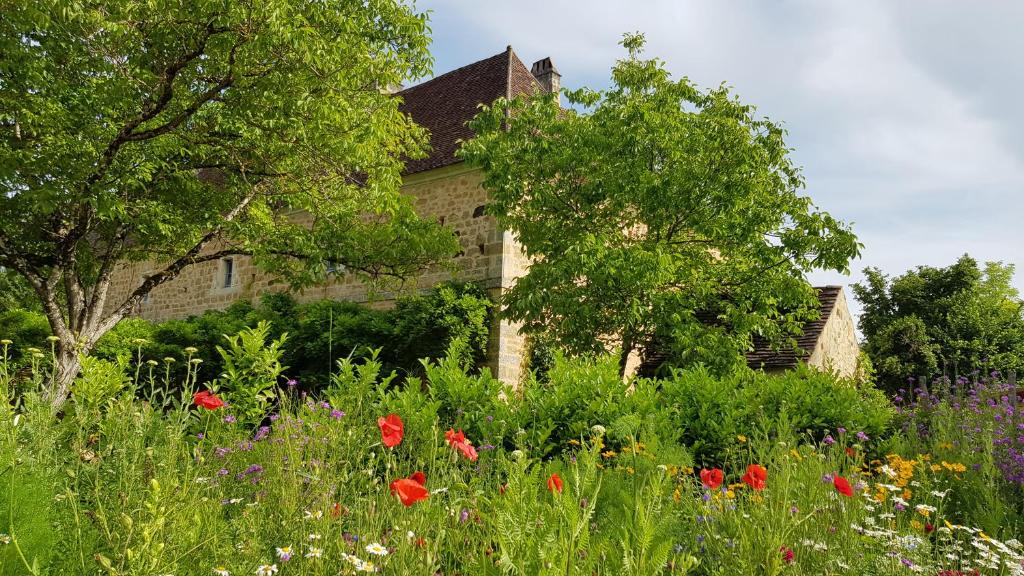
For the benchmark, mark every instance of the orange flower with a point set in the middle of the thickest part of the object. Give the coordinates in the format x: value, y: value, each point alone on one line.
x: 712, y: 479
x: 756, y: 476
x: 409, y: 491
x: 392, y: 429
x: 555, y: 483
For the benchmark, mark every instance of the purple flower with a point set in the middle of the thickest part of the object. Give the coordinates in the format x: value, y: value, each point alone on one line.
x: 828, y: 478
x: 463, y: 516
x: 862, y: 436
x: 229, y: 419
x: 200, y: 435
x: 222, y: 452
x: 337, y: 414
x: 261, y: 433
x: 292, y: 382
x: 223, y: 472
x: 841, y: 430
x: 829, y: 440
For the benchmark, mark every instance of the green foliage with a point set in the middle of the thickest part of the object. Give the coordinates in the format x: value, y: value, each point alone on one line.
x: 140, y: 492
x: 708, y: 413
x: 182, y: 132
x: 424, y: 326
x: 98, y: 383
x: 16, y: 293
x: 252, y: 367
x: 659, y: 206
x: 25, y: 328
x: 934, y: 320
x: 321, y: 333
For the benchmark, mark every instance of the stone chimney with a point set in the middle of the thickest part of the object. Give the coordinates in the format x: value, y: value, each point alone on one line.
x: 546, y: 74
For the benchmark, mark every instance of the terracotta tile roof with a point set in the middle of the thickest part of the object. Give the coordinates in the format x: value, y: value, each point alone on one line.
x: 764, y: 355
x: 445, y: 103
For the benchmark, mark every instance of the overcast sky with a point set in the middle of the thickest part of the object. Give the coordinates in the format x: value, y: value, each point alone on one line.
x: 906, y: 116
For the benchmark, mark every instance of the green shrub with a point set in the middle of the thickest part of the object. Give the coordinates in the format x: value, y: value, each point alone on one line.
x: 425, y: 326
x: 26, y: 329
x: 709, y: 413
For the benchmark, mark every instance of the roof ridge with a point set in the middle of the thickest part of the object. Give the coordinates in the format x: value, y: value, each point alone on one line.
x: 452, y: 72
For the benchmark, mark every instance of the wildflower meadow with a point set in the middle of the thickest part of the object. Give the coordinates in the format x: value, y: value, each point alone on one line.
x: 456, y: 473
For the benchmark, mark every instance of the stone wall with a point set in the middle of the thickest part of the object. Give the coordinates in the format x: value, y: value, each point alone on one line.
x: 453, y: 195
x: 837, y: 348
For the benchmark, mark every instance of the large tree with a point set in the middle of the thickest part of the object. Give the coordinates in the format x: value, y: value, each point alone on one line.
x: 183, y: 131
x: 933, y: 320
x: 661, y: 212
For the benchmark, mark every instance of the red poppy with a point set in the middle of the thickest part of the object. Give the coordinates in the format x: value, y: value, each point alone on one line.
x: 206, y: 399
x: 467, y: 450
x: 409, y: 491
x: 391, y: 430
x: 929, y: 528
x: 419, y: 477
x: 755, y: 477
x: 787, y: 555
x: 712, y: 479
x: 555, y: 483
x: 842, y: 486
x: 851, y: 452
x: 457, y: 440
x: 453, y: 437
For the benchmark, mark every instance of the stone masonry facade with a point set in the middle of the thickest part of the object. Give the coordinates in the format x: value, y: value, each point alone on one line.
x: 452, y: 195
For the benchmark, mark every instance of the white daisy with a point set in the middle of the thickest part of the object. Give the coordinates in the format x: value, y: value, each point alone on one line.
x: 376, y: 549
x: 267, y: 570
x: 221, y: 571
x: 314, y: 552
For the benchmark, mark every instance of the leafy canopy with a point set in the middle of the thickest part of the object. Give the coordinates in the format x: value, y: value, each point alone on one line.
x: 181, y: 131
x: 662, y: 212
x: 933, y: 320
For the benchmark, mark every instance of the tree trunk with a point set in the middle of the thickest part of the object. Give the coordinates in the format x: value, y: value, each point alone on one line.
x: 627, y: 349
x: 67, y: 364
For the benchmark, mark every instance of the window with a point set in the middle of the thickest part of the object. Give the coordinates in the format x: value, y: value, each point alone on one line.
x: 334, y: 268
x: 228, y: 269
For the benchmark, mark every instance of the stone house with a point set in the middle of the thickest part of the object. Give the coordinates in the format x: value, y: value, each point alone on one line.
x: 443, y: 188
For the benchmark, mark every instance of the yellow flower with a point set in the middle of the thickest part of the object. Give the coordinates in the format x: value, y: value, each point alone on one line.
x: 907, y: 494
x: 574, y: 442
x: 608, y: 454
x: 954, y: 466
x: 741, y: 438
x: 796, y: 455
x: 688, y: 470
x: 730, y: 494
x: 915, y: 525
x: 946, y: 445
x: 677, y: 495
x: 935, y: 467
